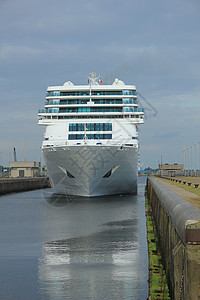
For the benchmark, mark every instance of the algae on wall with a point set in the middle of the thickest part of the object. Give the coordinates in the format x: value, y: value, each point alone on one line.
x: 158, y: 287
x: 178, y: 225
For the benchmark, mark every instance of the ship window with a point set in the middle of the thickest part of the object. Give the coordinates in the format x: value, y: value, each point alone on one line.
x: 53, y: 93
x: 88, y: 109
x: 91, y: 117
x: 129, y: 109
x: 129, y: 101
x: 53, y: 110
x: 90, y: 126
x: 90, y: 136
x: 129, y: 92
x: 106, y: 92
x: 97, y: 126
x: 76, y: 93
x: 72, y: 136
x: 56, y: 101
x: 107, y: 125
x: 107, y: 101
x: 126, y: 101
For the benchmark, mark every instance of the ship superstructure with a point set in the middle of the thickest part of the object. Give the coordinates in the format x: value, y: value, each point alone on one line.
x: 91, y: 141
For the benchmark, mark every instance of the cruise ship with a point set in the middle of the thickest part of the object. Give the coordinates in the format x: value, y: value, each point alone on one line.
x: 90, y: 145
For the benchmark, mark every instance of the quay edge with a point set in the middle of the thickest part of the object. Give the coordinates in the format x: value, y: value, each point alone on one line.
x: 178, y: 228
x: 16, y: 185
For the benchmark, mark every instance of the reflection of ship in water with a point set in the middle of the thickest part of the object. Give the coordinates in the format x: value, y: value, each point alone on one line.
x: 103, y: 265
x: 59, y: 200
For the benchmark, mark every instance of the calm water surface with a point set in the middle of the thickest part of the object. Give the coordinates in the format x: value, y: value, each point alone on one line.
x: 55, y: 248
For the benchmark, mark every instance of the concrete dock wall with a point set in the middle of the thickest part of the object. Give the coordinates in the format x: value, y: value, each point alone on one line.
x: 178, y: 227
x: 11, y: 185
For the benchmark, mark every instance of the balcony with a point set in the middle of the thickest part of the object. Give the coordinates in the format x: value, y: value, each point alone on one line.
x: 132, y: 109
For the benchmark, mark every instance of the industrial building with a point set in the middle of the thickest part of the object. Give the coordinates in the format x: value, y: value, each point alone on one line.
x: 25, y: 169
x: 171, y: 170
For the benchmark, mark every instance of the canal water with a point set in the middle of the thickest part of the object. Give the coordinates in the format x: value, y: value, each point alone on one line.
x: 69, y: 248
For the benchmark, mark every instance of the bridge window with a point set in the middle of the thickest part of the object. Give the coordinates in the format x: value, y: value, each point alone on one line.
x: 90, y: 136
x: 90, y: 127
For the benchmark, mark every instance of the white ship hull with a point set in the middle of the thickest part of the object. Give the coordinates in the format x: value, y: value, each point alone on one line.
x: 92, y: 170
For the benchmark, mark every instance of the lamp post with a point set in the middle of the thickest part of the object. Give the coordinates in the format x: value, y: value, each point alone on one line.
x: 184, y: 159
x: 199, y: 160
x: 188, y: 160
x: 191, y: 160
x: 1, y: 164
x: 195, y: 167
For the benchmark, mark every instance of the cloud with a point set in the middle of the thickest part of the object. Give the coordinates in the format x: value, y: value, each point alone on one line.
x: 151, y: 148
x: 150, y: 44
x: 10, y: 52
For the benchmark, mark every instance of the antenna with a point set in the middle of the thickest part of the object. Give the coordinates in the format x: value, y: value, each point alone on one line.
x: 24, y: 151
x: 92, y: 80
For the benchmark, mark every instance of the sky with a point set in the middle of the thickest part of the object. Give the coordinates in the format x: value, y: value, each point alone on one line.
x: 152, y: 44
